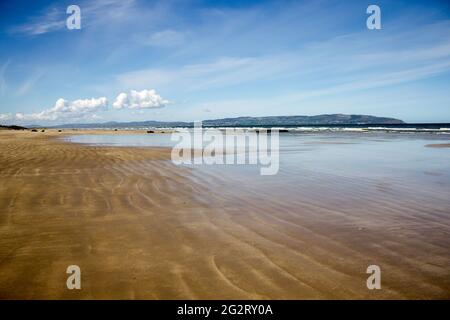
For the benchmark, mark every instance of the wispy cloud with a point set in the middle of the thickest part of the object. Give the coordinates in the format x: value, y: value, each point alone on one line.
x: 29, y: 83
x: 335, y: 62
x: 2, y: 76
x: 164, y: 38
x: 283, y: 103
x: 93, y: 13
x: 51, y: 19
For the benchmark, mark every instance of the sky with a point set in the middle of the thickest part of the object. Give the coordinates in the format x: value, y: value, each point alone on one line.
x: 135, y: 60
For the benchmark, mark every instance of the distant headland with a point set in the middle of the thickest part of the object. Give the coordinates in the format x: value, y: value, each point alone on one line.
x: 324, y: 119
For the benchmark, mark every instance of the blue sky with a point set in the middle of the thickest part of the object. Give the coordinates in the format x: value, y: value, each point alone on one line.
x: 192, y: 60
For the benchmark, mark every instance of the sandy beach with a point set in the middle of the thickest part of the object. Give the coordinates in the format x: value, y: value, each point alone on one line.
x: 140, y: 227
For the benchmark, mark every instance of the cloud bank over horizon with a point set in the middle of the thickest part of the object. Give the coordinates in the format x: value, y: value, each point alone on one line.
x: 87, y: 109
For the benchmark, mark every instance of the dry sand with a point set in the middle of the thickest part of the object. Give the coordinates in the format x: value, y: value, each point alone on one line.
x: 142, y: 228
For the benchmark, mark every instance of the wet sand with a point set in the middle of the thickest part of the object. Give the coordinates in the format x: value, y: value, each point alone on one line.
x: 438, y: 145
x: 142, y: 228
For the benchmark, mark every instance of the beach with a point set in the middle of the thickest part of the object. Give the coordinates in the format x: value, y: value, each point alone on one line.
x: 140, y: 227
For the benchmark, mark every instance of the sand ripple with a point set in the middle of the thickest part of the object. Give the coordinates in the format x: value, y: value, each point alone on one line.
x: 141, y: 228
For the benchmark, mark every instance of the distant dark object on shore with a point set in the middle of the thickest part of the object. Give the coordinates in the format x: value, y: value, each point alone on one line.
x: 270, y: 130
x: 150, y: 131
x: 263, y: 130
x: 59, y: 130
x: 12, y: 128
x: 33, y: 130
x: 42, y: 130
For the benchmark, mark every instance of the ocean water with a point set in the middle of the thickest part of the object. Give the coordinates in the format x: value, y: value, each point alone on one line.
x: 346, y: 153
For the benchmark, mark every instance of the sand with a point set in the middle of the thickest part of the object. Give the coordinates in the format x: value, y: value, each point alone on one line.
x: 141, y: 228
x: 438, y: 145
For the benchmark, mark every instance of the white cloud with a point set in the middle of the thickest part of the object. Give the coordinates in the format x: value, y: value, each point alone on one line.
x: 144, y: 99
x: 5, y: 117
x: 63, y: 110
x: 86, y: 109
x: 121, y: 101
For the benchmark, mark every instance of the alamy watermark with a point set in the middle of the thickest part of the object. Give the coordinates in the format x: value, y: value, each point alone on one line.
x: 74, y: 280
x: 212, y: 146
x: 374, y: 280
x: 374, y: 20
x: 74, y: 20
